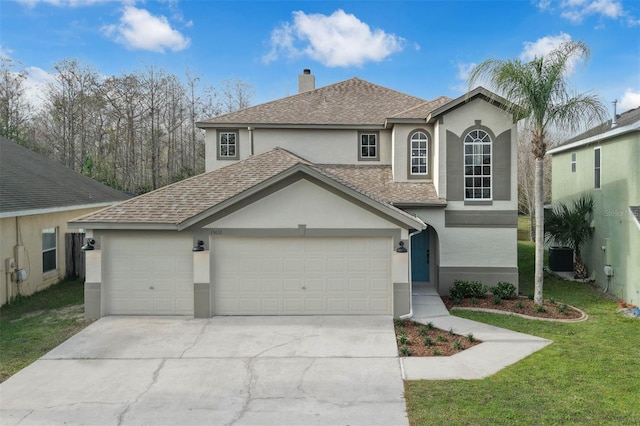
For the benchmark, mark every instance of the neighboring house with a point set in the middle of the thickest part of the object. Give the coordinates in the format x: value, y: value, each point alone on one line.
x: 37, y: 198
x: 603, y: 162
x: 309, y: 205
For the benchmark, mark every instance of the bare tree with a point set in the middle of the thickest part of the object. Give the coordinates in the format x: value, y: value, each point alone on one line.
x: 15, y: 109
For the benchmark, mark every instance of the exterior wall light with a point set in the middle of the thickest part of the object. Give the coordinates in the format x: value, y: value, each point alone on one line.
x: 401, y: 248
x: 88, y: 246
x: 199, y: 246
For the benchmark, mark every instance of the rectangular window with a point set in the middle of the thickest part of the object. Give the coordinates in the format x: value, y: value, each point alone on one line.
x: 368, y: 146
x: 49, y: 250
x: 573, y: 162
x: 228, y: 145
x: 596, y: 168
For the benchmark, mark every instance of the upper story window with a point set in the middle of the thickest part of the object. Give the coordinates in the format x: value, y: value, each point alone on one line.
x: 228, y: 145
x: 419, y: 154
x: 477, y: 165
x: 573, y: 162
x: 368, y: 146
x: 596, y: 168
x: 49, y: 249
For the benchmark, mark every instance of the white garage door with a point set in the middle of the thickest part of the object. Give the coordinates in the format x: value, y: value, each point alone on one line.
x: 149, y: 275
x: 302, y: 276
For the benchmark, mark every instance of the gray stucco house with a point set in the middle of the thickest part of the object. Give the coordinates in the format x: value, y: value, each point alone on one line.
x: 331, y: 201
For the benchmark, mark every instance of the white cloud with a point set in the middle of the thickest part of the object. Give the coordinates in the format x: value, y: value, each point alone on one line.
x: 35, y: 84
x: 543, y: 46
x: 577, y: 11
x: 464, y: 70
x: 338, y: 40
x: 630, y: 100
x: 139, y: 29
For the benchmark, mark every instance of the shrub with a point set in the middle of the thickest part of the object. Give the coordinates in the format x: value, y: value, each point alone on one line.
x: 458, y: 345
x: 404, y: 351
x: 504, y: 290
x: 496, y: 299
x: 422, y: 331
x: 428, y: 341
x: 462, y: 289
x: 403, y: 339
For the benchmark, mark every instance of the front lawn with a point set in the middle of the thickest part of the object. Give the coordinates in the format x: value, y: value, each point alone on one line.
x: 589, y: 375
x: 32, y: 326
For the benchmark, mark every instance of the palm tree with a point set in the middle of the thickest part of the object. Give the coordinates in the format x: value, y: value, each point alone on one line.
x: 571, y: 227
x: 539, y: 94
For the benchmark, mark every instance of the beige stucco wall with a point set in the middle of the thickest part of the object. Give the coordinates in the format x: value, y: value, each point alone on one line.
x: 614, y: 227
x: 303, y: 203
x: 26, y: 231
x: 325, y: 146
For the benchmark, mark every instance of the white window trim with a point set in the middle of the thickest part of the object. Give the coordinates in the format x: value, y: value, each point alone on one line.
x: 53, y: 231
x: 464, y: 175
x: 597, y: 169
x: 411, y: 156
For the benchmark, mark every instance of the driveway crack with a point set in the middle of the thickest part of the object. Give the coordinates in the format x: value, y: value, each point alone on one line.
x: 245, y: 408
x: 196, y: 340
x: 154, y: 379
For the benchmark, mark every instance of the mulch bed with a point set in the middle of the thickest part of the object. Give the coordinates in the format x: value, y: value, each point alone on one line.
x: 520, y: 305
x: 440, y: 342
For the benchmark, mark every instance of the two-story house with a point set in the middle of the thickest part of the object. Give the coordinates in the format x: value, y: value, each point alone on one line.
x: 331, y: 201
x: 603, y: 163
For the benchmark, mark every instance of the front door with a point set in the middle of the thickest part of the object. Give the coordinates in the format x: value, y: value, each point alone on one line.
x: 420, y: 256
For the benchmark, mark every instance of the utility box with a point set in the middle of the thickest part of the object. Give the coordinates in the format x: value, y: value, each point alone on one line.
x: 561, y: 259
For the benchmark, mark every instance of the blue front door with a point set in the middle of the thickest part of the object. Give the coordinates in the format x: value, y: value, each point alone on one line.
x: 420, y: 256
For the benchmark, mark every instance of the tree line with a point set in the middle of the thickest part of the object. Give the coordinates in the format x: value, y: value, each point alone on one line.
x: 134, y: 132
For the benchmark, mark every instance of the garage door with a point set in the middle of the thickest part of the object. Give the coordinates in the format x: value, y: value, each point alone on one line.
x: 302, y: 276
x: 149, y: 275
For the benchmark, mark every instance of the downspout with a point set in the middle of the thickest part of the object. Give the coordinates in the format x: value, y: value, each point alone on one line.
x: 410, y: 314
x: 250, y: 129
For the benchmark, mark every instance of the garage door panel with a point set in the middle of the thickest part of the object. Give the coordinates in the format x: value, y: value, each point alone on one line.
x: 149, y: 275
x: 301, y: 276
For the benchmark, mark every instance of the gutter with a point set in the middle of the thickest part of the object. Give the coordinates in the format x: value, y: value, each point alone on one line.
x: 617, y: 131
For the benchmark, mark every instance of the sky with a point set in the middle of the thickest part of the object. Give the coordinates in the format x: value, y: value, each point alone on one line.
x: 422, y: 48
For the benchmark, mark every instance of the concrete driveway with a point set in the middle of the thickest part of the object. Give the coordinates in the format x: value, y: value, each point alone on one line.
x: 332, y: 370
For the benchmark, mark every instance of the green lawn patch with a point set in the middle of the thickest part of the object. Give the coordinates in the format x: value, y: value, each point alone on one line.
x: 31, y: 326
x: 589, y: 375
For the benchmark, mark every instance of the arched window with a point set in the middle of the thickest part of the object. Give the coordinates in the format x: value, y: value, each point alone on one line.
x: 477, y: 165
x: 419, y: 153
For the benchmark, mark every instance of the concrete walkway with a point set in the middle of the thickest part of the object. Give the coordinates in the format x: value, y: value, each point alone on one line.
x: 500, y: 347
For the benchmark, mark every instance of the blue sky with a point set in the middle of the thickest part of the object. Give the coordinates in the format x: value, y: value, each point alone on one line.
x: 424, y: 48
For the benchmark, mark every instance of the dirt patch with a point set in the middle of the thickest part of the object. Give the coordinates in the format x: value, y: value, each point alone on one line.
x: 418, y: 340
x: 552, y: 310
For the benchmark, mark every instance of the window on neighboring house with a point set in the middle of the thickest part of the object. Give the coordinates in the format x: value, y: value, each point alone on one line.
x: 573, y: 162
x: 419, y: 157
x: 368, y: 146
x: 228, y: 145
x: 49, y: 249
x: 596, y: 168
x: 477, y: 165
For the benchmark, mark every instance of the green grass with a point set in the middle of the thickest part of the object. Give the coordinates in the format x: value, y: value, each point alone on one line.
x: 31, y: 326
x: 523, y: 228
x: 589, y: 375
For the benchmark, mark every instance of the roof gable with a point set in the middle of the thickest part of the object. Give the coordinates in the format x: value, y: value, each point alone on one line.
x: 351, y: 102
x: 30, y: 182
x: 196, y: 200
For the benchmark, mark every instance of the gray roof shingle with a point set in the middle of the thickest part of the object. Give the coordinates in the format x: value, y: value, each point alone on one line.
x: 624, y: 119
x: 182, y: 201
x: 351, y: 102
x: 30, y: 181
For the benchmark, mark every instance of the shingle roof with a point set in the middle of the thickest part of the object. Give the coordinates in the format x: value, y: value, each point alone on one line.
x: 178, y: 203
x: 622, y: 120
x: 350, y: 102
x: 31, y: 182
